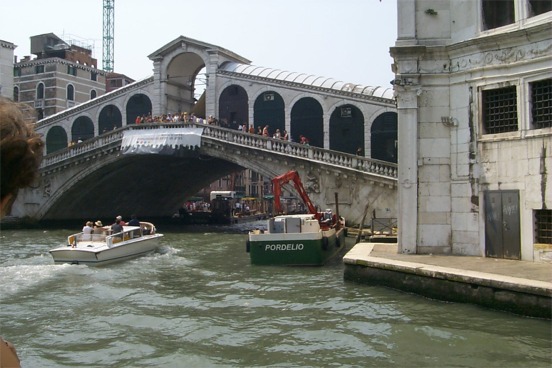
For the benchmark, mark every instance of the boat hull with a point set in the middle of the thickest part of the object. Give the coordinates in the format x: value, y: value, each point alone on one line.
x: 296, y: 249
x: 99, y: 256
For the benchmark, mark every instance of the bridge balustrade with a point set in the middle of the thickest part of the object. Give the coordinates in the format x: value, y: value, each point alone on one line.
x: 300, y: 150
x: 114, y: 138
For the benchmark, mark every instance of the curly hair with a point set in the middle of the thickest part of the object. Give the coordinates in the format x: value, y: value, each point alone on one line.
x: 21, y: 149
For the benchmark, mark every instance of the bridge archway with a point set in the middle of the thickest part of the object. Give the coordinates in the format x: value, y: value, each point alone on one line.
x: 110, y: 118
x: 182, y: 71
x: 383, y: 137
x: 56, y: 139
x: 269, y: 109
x: 138, y: 105
x: 233, y: 107
x: 83, y: 129
x: 307, y: 118
x: 346, y: 129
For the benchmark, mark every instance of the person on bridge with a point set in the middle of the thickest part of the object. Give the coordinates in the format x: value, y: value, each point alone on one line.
x: 21, y: 153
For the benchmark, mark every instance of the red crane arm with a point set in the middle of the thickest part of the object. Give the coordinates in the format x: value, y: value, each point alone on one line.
x: 277, y: 183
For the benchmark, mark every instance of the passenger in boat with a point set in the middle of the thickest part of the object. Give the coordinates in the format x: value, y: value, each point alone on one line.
x: 117, y: 227
x: 98, y: 227
x: 133, y: 221
x: 121, y: 222
x: 87, y: 230
x: 21, y: 153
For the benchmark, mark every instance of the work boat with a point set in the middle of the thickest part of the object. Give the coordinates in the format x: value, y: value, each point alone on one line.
x: 299, y: 239
x: 103, y: 248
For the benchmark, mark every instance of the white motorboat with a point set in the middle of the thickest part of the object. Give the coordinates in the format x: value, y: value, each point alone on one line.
x: 104, y: 247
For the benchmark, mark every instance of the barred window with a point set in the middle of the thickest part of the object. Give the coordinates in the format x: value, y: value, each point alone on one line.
x: 500, y: 110
x: 543, y: 226
x: 541, y: 101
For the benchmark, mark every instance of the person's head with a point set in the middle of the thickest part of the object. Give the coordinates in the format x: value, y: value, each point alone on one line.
x: 119, y: 218
x: 21, y: 152
x: 89, y: 223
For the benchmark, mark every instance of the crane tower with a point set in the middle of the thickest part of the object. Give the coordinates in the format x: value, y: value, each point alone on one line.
x: 108, y: 35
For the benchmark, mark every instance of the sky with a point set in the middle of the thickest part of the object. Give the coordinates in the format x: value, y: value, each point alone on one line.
x: 347, y: 40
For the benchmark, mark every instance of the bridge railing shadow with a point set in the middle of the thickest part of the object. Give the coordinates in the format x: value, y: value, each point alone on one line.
x: 114, y: 138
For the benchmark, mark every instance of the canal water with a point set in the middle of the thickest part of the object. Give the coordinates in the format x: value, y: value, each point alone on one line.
x: 199, y: 303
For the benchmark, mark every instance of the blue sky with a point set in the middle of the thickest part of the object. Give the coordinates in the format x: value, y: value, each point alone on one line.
x: 347, y: 40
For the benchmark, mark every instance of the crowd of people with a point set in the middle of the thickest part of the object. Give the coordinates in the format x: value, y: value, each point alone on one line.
x: 185, y: 118
x: 117, y: 226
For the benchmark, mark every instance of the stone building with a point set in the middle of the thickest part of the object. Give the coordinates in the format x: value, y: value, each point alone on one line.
x: 6, y: 68
x: 474, y: 90
x: 61, y: 75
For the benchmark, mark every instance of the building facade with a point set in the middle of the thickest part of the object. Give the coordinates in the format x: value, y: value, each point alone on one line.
x: 60, y: 76
x: 474, y: 90
x: 6, y: 68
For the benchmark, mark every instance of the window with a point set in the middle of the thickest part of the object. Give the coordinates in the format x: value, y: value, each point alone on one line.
x: 16, y: 94
x: 537, y: 7
x: 40, y: 91
x: 497, y: 13
x: 500, y: 110
x: 39, y: 69
x: 541, y: 100
x: 72, y: 70
x: 93, y: 76
x: 70, y: 92
x: 543, y: 226
x: 17, y: 72
x: 93, y: 94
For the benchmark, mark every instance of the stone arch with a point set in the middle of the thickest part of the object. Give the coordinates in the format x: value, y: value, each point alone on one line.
x: 307, y: 118
x: 137, y: 105
x: 110, y: 118
x: 347, y: 129
x: 269, y: 109
x: 233, y: 107
x: 83, y: 129
x: 56, y: 139
x: 383, y: 137
x: 181, y: 73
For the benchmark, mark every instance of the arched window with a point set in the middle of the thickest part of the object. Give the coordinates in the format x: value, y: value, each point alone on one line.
x: 93, y: 94
x: 70, y: 92
x: 40, y: 91
x: 16, y: 94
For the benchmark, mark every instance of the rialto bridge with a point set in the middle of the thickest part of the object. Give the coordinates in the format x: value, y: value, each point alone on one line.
x: 95, y: 179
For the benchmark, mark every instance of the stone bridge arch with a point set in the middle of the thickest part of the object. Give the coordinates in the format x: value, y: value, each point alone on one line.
x: 95, y: 179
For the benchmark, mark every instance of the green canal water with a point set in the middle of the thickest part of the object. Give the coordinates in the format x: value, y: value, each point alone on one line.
x: 198, y: 302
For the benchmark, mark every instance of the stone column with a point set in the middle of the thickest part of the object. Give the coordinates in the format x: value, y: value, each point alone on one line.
x: 211, y: 102
x: 407, y: 220
x: 159, y: 102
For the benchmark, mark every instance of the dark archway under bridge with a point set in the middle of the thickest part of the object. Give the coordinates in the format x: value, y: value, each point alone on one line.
x: 147, y: 185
